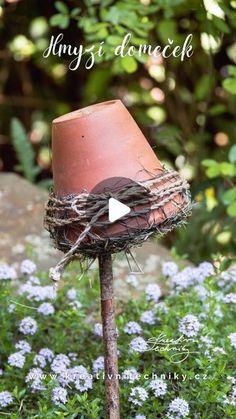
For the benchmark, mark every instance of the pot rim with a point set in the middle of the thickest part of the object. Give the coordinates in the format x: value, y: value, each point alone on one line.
x: 85, y: 112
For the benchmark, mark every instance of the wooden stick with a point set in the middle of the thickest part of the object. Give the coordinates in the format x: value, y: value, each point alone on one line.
x: 109, y: 337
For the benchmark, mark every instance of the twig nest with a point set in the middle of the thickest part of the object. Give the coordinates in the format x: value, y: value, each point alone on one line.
x: 79, y: 223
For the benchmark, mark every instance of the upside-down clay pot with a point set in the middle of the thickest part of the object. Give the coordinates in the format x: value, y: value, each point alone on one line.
x: 99, y: 142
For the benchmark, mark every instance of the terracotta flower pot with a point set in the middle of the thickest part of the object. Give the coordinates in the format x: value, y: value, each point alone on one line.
x: 96, y: 143
x: 99, y: 142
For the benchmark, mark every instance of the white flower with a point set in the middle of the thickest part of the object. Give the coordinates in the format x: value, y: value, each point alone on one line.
x: 1, y: 372
x: 23, y: 346
x: 82, y: 379
x: 60, y: 363
x: 47, y: 354
x: 187, y: 277
x: 11, y: 308
x: 131, y: 328
x: 130, y: 374
x: 138, y: 395
x: 232, y: 338
x: 72, y: 294
x: 76, y: 304
x: 178, y: 409
x: 169, y: 268
x: 97, y: 330
x: 34, y: 280
x: 230, y: 298
x: 140, y: 417
x: 98, y: 364
x: 28, y: 326
x: 148, y: 317
x: 161, y: 307
x: 6, y: 398
x: 132, y: 280
x: 46, y: 309
x: 39, y: 360
x: 206, y: 269
x: 138, y: 345
x: 189, y: 325
x: 64, y: 378
x: 228, y: 278
x: 35, y: 377
x: 73, y: 356
x: 59, y: 395
x: 207, y: 341
x: 37, y: 292
x: 159, y: 387
x: 16, y: 360
x: 34, y: 374
x: 7, y: 272
x: 202, y: 292
x: 153, y: 292
x: 27, y: 267
x: 219, y: 350
x: 231, y: 399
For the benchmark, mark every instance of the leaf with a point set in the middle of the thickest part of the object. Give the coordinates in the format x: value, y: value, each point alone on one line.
x: 106, y: 2
x: 213, y: 171
x: 208, y: 163
x: 62, y: 21
x: 230, y: 85
x: 113, y: 16
x: 231, y: 210
x: 61, y: 7
x: 221, y: 25
x: 65, y: 21
x: 231, y: 70
x: 217, y: 109
x: 227, y: 169
x: 167, y: 29
x: 114, y: 40
x: 229, y: 196
x: 129, y: 64
x: 232, y: 154
x: 55, y: 20
x: 202, y: 87
x: 24, y: 150
x: 75, y: 12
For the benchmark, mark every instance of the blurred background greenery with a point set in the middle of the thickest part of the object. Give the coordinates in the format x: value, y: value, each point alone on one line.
x: 186, y: 109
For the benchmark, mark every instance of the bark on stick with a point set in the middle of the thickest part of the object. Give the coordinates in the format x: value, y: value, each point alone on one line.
x: 109, y: 337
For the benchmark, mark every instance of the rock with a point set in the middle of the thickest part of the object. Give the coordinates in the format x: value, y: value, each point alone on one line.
x: 21, y: 230
x: 22, y: 233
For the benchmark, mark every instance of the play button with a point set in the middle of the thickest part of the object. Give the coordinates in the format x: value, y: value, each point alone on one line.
x: 116, y: 210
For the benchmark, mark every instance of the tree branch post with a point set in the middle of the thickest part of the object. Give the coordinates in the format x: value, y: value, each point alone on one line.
x: 109, y: 336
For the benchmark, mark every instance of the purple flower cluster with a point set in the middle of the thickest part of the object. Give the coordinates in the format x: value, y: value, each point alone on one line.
x: 189, y: 325
x: 132, y: 328
x: 7, y: 272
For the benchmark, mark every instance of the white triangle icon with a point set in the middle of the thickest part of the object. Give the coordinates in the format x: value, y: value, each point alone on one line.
x: 116, y: 210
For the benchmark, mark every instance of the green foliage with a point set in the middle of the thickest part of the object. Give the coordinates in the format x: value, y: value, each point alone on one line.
x: 24, y: 151
x: 227, y: 170
x: 229, y: 83
x: 62, y: 19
